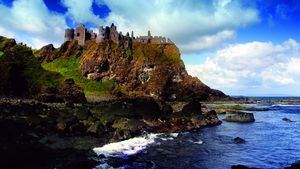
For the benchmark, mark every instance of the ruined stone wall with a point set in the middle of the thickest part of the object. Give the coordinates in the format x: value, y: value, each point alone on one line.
x: 158, y: 40
x: 80, y: 34
x: 101, y: 35
x: 92, y: 35
x: 69, y: 35
x: 114, y: 35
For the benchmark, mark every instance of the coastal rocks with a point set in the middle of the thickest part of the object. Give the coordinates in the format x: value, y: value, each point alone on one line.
x: 96, y: 128
x: 287, y: 119
x: 241, y: 167
x: 71, y: 93
x: 239, y: 140
x: 49, y: 95
x: 68, y: 92
x: 295, y: 165
x: 241, y: 118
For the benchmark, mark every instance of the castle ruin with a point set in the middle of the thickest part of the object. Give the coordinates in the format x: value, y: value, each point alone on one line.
x: 81, y: 35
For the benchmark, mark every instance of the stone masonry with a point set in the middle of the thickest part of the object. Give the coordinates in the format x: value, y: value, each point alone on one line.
x: 81, y: 35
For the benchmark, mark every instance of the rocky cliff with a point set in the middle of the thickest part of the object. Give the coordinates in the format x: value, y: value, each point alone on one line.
x: 154, y: 70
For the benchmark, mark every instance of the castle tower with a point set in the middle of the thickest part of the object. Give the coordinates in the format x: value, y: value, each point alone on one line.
x: 113, y: 33
x: 149, y: 33
x: 80, y: 34
x: 101, y: 35
x: 69, y: 35
x: 132, y: 34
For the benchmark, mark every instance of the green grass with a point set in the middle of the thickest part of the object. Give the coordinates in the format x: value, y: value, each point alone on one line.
x: 1, y: 54
x: 69, y: 68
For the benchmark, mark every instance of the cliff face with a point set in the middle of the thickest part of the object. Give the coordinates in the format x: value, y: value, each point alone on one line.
x: 154, y: 70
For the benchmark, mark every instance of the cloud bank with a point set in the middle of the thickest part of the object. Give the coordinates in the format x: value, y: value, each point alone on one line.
x: 253, y: 68
x: 31, y: 22
x: 193, y: 25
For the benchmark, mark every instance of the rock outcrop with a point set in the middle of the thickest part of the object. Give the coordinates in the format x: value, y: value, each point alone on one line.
x: 48, y: 53
x: 154, y: 70
x: 241, y: 118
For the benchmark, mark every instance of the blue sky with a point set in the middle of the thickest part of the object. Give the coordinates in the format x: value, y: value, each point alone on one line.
x: 240, y: 47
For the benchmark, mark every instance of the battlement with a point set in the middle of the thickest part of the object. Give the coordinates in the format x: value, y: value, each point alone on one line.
x: 81, y: 34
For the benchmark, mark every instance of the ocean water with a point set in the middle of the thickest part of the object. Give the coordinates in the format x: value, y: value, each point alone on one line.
x: 270, y: 143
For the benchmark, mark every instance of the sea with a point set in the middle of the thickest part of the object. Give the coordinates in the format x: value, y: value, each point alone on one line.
x: 271, y: 143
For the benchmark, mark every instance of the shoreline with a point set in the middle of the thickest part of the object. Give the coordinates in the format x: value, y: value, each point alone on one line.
x: 48, y: 130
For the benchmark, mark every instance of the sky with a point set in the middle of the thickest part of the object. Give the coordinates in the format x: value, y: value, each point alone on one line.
x: 245, y: 48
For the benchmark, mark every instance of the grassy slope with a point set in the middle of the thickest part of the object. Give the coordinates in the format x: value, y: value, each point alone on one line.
x: 21, y: 60
x: 69, y: 68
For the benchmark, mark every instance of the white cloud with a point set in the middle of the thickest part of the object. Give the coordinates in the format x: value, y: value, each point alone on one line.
x: 252, y: 68
x: 208, y: 42
x: 81, y: 11
x: 31, y: 22
x: 193, y: 25
x: 184, y: 21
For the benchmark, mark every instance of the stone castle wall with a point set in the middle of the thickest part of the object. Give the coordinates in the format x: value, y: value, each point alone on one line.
x: 81, y: 34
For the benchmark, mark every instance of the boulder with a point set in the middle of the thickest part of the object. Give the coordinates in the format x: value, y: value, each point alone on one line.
x: 129, y: 124
x: 72, y: 93
x: 241, y: 118
x: 287, y: 119
x: 239, y: 140
x: 96, y: 128
x: 241, y: 167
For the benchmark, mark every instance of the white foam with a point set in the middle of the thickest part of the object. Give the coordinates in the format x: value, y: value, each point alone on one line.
x: 198, y: 142
x: 174, y: 134
x: 126, y: 147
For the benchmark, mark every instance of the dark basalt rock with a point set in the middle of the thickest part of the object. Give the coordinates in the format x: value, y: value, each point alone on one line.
x: 241, y: 167
x: 287, y: 119
x: 239, y: 140
x: 241, y: 118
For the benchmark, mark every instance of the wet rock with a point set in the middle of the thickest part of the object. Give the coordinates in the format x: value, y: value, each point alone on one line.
x: 239, y: 140
x: 287, y: 119
x: 129, y: 124
x: 61, y: 126
x: 82, y: 113
x: 241, y: 118
x: 241, y: 167
x: 96, y: 128
x: 295, y: 165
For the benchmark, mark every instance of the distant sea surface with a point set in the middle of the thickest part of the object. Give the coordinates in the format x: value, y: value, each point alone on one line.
x: 270, y: 143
